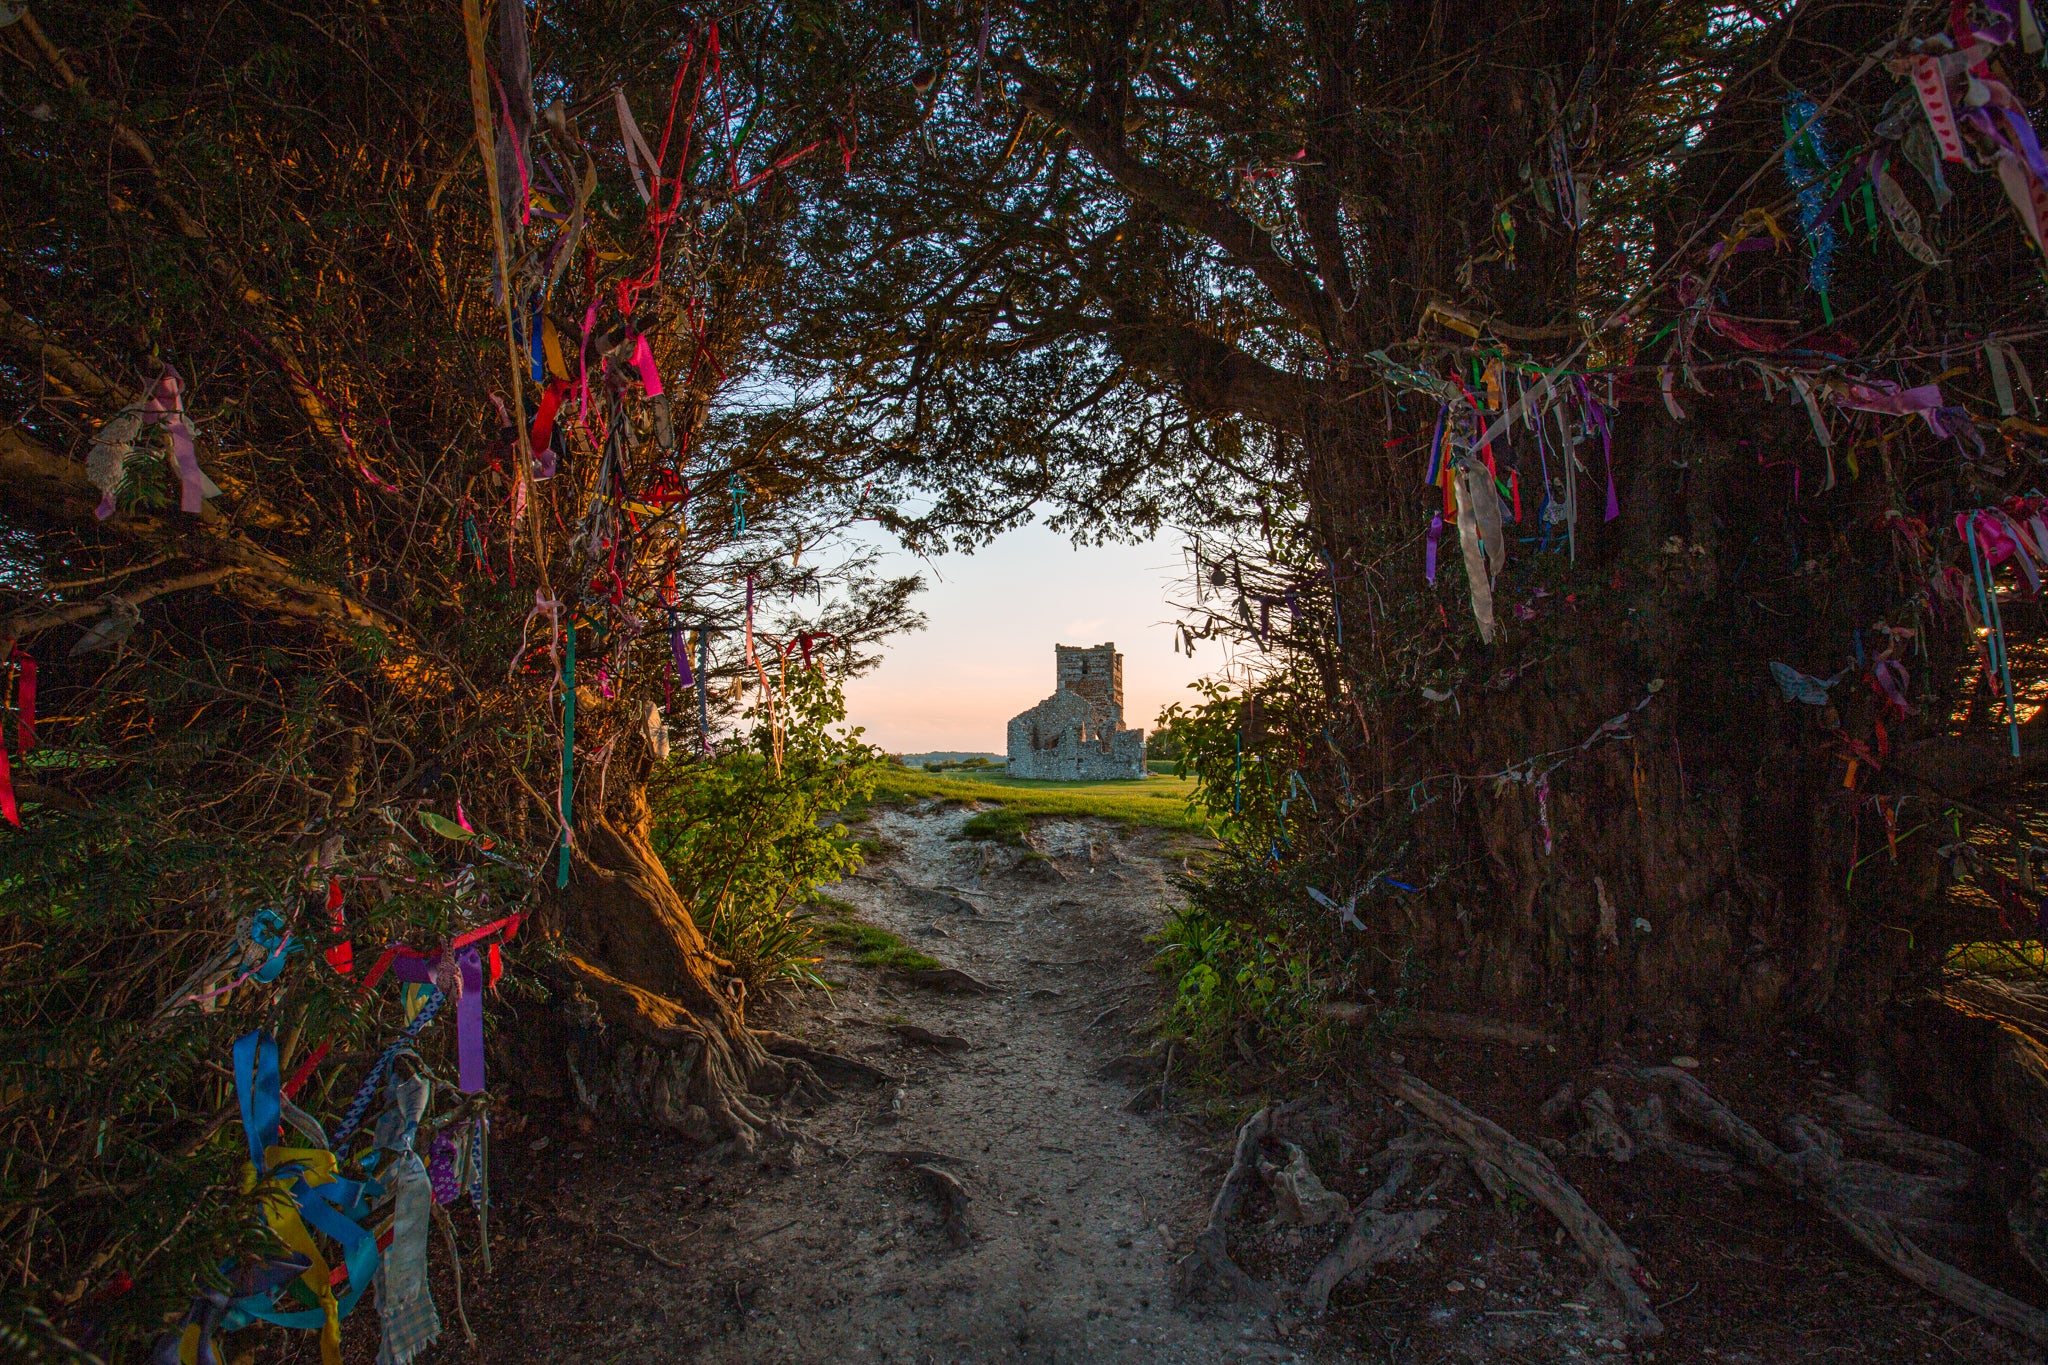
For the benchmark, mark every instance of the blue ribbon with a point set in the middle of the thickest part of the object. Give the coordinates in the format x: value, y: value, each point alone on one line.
x: 266, y: 929
x: 336, y: 1208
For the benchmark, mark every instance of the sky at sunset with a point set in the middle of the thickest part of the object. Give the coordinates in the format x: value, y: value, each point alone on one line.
x: 994, y: 619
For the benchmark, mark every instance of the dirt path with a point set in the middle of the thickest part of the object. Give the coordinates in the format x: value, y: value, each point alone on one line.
x: 835, y: 1250
x: 618, y: 1246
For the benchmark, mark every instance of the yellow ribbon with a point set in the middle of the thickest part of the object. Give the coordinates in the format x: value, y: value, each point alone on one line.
x: 281, y: 1212
x: 551, y: 343
x: 1747, y: 225
x: 1450, y: 317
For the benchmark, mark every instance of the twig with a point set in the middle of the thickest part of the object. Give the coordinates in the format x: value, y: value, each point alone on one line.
x: 779, y: 1227
x: 1106, y: 1013
x: 616, y: 1238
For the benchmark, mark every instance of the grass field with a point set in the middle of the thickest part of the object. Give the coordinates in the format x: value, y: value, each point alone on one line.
x: 1160, y: 801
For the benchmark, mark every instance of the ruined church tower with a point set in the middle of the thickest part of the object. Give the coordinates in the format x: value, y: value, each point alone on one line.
x: 1097, y: 676
x: 1077, y: 734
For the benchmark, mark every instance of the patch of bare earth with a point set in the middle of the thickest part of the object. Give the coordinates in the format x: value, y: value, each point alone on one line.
x: 1066, y: 1207
x: 1013, y: 1189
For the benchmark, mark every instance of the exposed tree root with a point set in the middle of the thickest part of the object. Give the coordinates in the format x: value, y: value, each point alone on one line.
x: 1603, y: 1132
x: 953, y: 1202
x: 918, y: 1156
x: 1653, y: 1133
x: 1374, y: 1237
x: 1209, y: 1265
x: 1532, y: 1172
x: 2022, y: 1005
x: 1815, y: 1169
x: 950, y: 979
x: 1956, y: 1165
x: 944, y: 1042
x: 615, y: 1238
x: 1441, y: 1024
x: 833, y: 1065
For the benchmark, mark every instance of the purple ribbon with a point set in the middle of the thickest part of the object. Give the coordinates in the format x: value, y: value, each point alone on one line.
x: 1436, y: 529
x: 2000, y: 31
x: 441, y: 1169
x: 1891, y: 678
x: 681, y: 649
x: 469, y: 1024
x: 469, y: 1010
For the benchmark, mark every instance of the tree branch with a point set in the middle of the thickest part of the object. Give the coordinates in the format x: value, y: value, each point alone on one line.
x: 39, y: 480
x: 30, y: 623
x: 1215, y: 378
x: 1249, y: 245
x: 76, y: 374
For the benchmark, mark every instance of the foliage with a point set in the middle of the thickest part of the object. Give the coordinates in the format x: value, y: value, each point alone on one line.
x: 1247, y: 976
x: 1226, y: 268
x: 110, y: 1083
x: 744, y: 838
x: 367, y: 622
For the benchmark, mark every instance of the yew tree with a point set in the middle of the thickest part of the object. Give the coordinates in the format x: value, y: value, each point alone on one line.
x: 1298, y: 279
x: 384, y: 505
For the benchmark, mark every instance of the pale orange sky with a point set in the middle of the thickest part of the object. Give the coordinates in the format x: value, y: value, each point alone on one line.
x: 995, y: 616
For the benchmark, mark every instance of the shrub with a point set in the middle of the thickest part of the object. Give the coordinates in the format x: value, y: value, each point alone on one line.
x: 744, y: 838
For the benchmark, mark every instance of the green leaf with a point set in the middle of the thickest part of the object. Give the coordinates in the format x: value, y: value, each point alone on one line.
x: 445, y: 827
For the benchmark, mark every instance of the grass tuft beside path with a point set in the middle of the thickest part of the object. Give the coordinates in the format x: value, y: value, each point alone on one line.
x: 1159, y: 800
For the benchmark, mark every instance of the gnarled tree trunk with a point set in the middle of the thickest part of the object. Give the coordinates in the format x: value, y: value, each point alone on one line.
x: 648, y: 1022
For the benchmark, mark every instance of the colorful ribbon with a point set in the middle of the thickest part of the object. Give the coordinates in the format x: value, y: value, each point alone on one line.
x: 299, y: 1186
x: 568, y: 753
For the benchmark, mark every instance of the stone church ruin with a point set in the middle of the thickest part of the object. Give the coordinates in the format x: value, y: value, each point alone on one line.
x: 1077, y: 734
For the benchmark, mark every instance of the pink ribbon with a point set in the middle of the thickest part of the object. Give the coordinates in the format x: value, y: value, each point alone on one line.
x: 1994, y: 541
x: 1891, y: 680
x: 1746, y: 337
x: 1881, y: 395
x: 643, y: 361
x: 638, y: 153
x: 167, y: 405
x: 552, y: 609
x: 1932, y: 87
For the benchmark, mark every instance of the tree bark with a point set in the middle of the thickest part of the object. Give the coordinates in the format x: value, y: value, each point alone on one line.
x: 654, y: 1018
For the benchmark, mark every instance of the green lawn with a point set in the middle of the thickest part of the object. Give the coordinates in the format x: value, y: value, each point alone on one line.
x: 1158, y: 801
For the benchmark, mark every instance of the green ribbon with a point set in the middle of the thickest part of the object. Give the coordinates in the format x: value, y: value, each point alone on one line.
x: 568, y: 751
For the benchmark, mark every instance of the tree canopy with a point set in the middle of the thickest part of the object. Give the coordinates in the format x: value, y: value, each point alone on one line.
x: 1602, y: 428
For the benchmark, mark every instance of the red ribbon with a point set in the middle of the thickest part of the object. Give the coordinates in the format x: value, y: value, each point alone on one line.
x: 304, y: 1072
x: 25, y: 716
x: 543, y: 433
x: 342, y: 956
x: 7, y: 806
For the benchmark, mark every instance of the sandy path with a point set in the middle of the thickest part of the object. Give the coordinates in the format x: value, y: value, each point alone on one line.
x: 838, y: 1253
